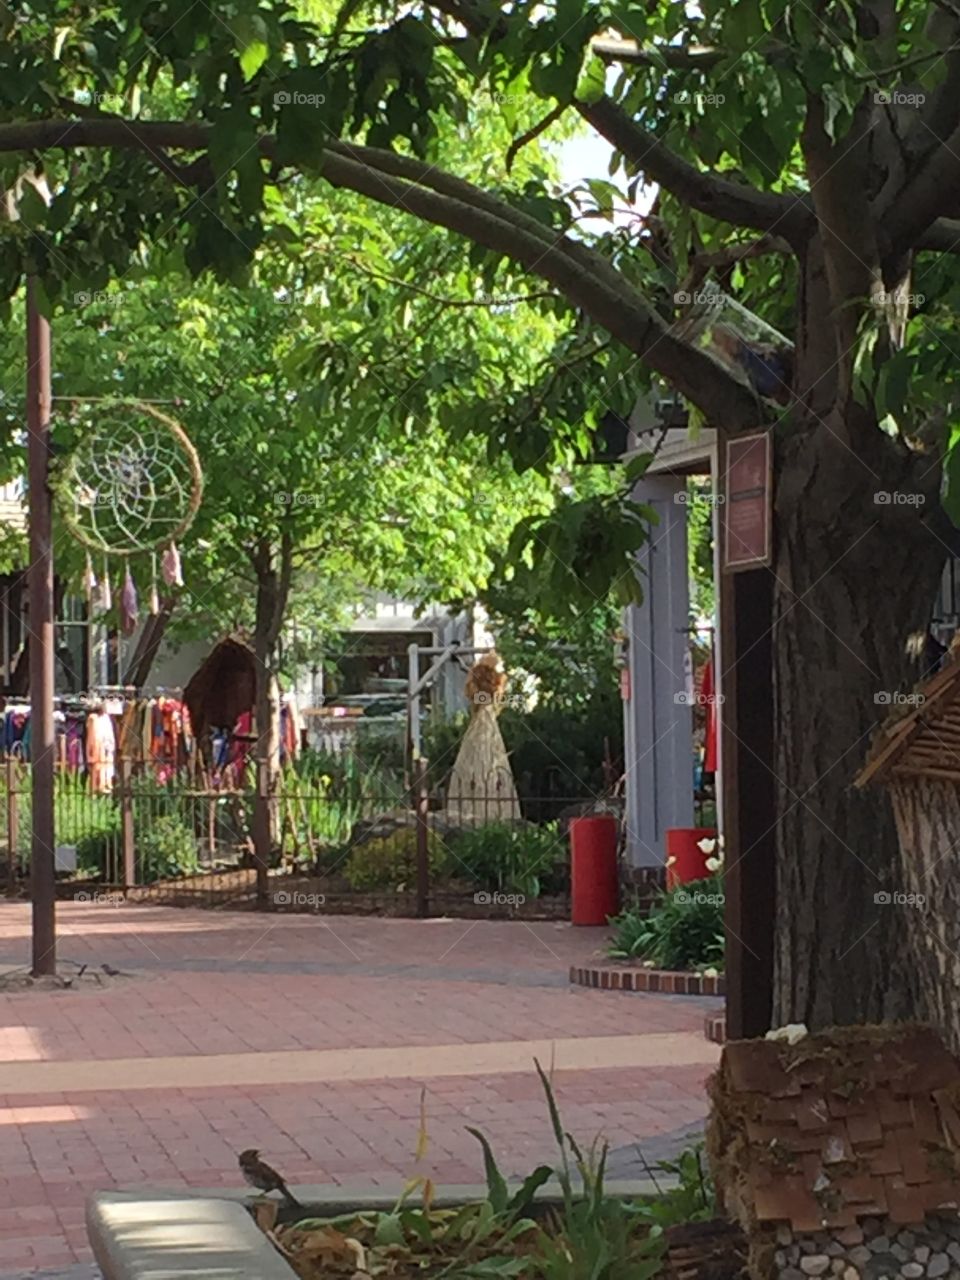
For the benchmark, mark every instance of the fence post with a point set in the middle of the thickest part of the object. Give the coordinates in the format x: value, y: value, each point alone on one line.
x: 12, y: 828
x: 421, y: 802
x: 126, y: 826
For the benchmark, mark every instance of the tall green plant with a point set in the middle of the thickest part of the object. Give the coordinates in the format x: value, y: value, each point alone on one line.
x: 683, y: 930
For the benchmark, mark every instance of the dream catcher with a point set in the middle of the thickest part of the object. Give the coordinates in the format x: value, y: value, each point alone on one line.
x: 131, y: 487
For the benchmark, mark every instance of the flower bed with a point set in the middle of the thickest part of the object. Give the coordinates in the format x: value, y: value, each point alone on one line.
x: 672, y: 982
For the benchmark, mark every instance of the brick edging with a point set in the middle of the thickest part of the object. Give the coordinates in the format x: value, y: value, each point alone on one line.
x: 715, y: 1028
x: 663, y: 981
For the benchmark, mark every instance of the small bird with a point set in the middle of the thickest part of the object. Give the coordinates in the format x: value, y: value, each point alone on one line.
x: 260, y: 1175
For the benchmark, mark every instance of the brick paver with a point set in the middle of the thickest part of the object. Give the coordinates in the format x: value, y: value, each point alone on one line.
x: 220, y: 984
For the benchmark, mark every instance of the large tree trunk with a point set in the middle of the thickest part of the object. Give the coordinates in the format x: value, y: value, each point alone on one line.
x: 856, y: 579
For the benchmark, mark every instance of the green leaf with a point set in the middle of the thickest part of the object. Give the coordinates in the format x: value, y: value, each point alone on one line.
x: 389, y: 1230
x: 497, y: 1192
x: 523, y: 1198
x: 593, y: 80
x: 250, y: 33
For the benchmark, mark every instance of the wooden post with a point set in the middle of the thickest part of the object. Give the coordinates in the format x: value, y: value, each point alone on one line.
x: 127, y: 835
x: 422, y: 802
x: 41, y: 643
x: 13, y: 828
x: 749, y: 787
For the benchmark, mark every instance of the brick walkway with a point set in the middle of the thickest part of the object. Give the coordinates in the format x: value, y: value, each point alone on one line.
x: 231, y: 1033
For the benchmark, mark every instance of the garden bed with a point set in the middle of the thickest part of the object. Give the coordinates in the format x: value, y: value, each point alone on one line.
x: 563, y: 1221
x: 671, y: 982
x: 138, y: 1235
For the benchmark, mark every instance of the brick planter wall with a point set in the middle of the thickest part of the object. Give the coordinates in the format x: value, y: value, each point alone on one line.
x: 663, y: 981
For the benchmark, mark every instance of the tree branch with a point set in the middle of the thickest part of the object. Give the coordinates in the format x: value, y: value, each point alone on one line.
x: 691, y: 57
x: 703, y: 263
x: 508, y: 300
x: 942, y: 236
x: 927, y: 192
x: 584, y: 276
x: 847, y: 230
x: 708, y: 192
x: 789, y: 216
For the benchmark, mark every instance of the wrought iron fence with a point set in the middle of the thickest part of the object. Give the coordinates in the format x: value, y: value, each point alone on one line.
x: 360, y: 840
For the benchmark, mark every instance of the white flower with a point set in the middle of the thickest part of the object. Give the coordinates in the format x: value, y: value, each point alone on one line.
x: 711, y: 973
x: 671, y: 861
x: 714, y: 864
x: 791, y: 1033
x: 647, y: 964
x: 707, y: 844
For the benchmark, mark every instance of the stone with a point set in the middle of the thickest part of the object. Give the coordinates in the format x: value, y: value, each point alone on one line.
x: 912, y: 1270
x: 850, y: 1236
x: 851, y: 1273
x: 880, y: 1244
x: 835, y: 1249
x: 814, y: 1264
x: 953, y: 1249
x: 900, y: 1252
x: 907, y: 1239
x: 780, y: 1258
x: 860, y: 1255
x: 837, y: 1266
x: 922, y: 1253
x: 791, y: 1273
x: 881, y: 1265
x: 872, y: 1226
x: 784, y: 1235
x: 938, y: 1265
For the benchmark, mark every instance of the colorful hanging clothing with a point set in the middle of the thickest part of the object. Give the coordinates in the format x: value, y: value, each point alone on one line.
x: 101, y: 751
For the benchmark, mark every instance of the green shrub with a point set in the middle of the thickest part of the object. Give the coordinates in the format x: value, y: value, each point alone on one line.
x: 97, y: 851
x: 684, y: 929
x: 512, y: 857
x: 390, y: 862
x: 166, y: 848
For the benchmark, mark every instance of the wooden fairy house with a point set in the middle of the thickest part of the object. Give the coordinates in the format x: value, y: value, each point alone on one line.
x: 916, y: 757
x: 839, y: 1154
x: 222, y: 688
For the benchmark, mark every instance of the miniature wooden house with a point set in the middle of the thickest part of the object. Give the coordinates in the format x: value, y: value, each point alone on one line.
x: 839, y: 1155
x: 916, y: 756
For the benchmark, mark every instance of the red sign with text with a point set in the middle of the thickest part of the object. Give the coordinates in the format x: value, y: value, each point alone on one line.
x: 747, y: 506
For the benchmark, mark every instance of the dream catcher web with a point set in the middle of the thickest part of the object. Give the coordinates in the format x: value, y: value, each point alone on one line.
x: 131, y: 486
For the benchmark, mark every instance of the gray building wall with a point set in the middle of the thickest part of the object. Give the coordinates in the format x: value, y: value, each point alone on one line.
x: 658, y: 717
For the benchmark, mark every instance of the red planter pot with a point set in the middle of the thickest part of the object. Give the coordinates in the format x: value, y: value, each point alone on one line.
x: 594, y: 882
x: 690, y: 862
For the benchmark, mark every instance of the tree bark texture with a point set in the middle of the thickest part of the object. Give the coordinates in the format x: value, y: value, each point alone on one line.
x: 854, y: 591
x: 921, y: 911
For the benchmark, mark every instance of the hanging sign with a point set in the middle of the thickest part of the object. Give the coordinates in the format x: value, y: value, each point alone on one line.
x: 748, y: 505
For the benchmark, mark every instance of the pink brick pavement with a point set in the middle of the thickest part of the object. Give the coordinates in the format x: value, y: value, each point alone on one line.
x: 236, y: 983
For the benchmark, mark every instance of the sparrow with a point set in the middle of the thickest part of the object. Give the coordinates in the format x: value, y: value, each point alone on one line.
x: 259, y: 1174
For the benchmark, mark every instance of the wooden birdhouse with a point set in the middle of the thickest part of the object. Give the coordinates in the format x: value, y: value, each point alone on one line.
x: 837, y: 1154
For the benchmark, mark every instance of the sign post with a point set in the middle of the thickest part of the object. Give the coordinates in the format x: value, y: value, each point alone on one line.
x: 747, y: 738
x: 41, y: 641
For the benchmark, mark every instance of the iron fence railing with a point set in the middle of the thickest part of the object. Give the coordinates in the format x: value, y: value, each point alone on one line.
x: 357, y: 840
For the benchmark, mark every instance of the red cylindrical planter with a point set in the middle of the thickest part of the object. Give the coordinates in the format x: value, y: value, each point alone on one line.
x: 690, y: 862
x: 594, y: 887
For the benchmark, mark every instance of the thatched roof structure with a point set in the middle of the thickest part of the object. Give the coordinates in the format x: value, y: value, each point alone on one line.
x: 222, y: 687
x: 921, y: 737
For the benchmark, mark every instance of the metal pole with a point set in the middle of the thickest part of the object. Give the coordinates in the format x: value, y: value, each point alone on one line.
x: 422, y: 794
x: 40, y: 587
x: 413, y: 702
